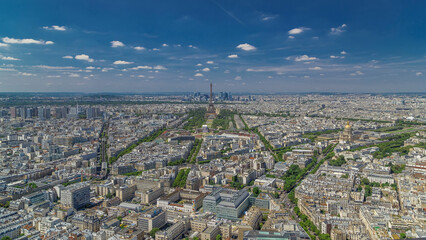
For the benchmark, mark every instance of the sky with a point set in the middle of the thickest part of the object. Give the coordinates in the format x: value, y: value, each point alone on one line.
x: 258, y: 46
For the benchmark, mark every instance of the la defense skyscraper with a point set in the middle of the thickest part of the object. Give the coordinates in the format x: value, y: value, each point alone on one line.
x: 211, y: 110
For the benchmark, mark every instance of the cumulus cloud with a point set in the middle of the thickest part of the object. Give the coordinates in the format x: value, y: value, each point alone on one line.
x: 315, y: 68
x: 3, y: 45
x: 56, y: 28
x: 291, y: 37
x: 199, y: 65
x: 165, y: 45
x: 210, y: 62
x: 106, y: 69
x: 198, y: 75
x: 357, y: 73
x: 419, y: 73
x: 334, y: 57
x: 10, y: 59
x: 238, y: 78
x: 25, y: 41
x: 54, y: 67
x: 343, y: 52
x: 304, y: 58
x: 27, y: 74
x: 84, y: 57
x: 139, y: 48
x: 8, y: 69
x: 299, y: 30
x: 159, y: 67
x: 53, y: 76
x: 141, y: 67
x: 141, y: 76
x: 121, y: 62
x: 246, y: 47
x: 338, y: 30
x: 155, y: 49
x: 68, y: 57
x: 74, y: 75
x: 206, y: 69
x: 233, y: 56
x: 115, y: 44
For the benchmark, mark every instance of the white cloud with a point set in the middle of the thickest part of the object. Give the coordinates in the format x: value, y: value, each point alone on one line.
x: 10, y: 58
x: 115, y: 44
x: 84, y: 57
x: 357, y: 73
x: 165, y: 45
x: 338, y: 30
x: 53, y: 76
x: 334, y: 57
x: 141, y: 76
x: 56, y: 28
x: 159, y: 67
x: 199, y: 65
x: 8, y: 69
x: 210, y: 62
x: 238, y: 78
x: 121, y: 62
x: 68, y: 57
x: 343, y: 52
x: 233, y: 56
x: 419, y: 73
x: 141, y: 67
x: 139, y: 48
x: 206, y: 69
x: 155, y: 49
x: 291, y: 37
x: 268, y: 17
x: 198, y: 75
x: 74, y: 75
x: 304, y: 58
x: 315, y: 68
x: 25, y: 41
x: 226, y: 71
x: 26, y: 74
x: 54, y: 67
x: 299, y: 30
x: 106, y: 69
x: 90, y: 68
x: 3, y: 45
x: 246, y: 47
x: 192, y: 46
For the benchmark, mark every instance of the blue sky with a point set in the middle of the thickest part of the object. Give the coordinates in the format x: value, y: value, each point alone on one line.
x: 240, y: 46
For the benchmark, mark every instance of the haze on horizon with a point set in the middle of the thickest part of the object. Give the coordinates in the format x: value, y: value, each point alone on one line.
x: 240, y: 46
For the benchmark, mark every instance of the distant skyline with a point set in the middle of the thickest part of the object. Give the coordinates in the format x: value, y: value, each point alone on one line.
x: 257, y: 46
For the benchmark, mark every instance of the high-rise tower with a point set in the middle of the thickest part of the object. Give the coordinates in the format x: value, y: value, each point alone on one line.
x: 211, y: 110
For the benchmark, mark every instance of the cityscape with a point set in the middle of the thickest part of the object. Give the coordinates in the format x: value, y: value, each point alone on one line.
x: 269, y: 140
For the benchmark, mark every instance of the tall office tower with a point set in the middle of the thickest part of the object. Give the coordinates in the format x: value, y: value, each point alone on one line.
x: 23, y: 112
x: 13, y: 112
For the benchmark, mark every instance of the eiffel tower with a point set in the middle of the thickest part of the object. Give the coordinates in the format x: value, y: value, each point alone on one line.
x: 211, y: 110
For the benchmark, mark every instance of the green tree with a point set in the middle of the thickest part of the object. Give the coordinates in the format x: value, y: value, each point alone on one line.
x: 402, y: 235
x: 256, y: 191
x: 6, y: 238
x: 153, y: 232
x: 219, y: 237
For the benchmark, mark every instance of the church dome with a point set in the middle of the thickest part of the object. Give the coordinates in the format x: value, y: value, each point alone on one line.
x: 347, y: 125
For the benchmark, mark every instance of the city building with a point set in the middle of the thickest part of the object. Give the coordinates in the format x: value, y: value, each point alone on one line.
x: 227, y: 203
x: 153, y: 218
x: 76, y: 195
